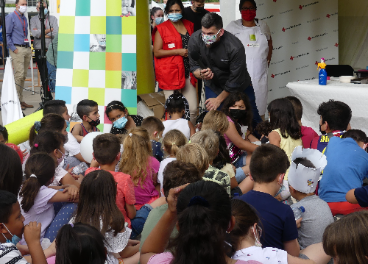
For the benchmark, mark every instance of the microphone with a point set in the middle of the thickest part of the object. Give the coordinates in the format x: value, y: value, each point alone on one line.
x: 197, y: 58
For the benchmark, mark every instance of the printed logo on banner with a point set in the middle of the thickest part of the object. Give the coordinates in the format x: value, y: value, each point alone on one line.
x: 279, y: 74
x: 291, y: 27
x: 303, y: 67
x: 299, y: 56
x: 313, y: 20
x: 287, y: 11
x: 310, y: 4
x: 265, y: 18
x: 317, y: 36
x: 330, y: 15
x: 318, y: 50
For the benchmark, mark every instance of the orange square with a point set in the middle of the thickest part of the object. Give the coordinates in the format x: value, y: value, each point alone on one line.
x: 113, y: 61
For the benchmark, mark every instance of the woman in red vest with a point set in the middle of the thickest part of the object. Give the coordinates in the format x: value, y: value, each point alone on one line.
x: 170, y: 49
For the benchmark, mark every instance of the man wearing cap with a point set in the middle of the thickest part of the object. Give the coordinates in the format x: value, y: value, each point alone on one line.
x: 18, y: 44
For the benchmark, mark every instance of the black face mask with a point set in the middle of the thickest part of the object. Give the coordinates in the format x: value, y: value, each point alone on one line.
x: 322, y: 132
x: 238, y: 113
x: 200, y: 9
x: 94, y: 123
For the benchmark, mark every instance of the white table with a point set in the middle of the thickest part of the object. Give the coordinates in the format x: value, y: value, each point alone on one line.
x: 311, y: 94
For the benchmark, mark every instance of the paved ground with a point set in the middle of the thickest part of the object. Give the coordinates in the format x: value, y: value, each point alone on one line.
x: 28, y: 96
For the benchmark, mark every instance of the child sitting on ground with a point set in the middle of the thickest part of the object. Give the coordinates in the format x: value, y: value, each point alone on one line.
x: 305, y: 169
x: 210, y: 142
x: 78, y: 243
x: 268, y: 167
x: 155, y: 129
x: 106, y: 152
x: 176, y: 109
x: 97, y: 207
x: 176, y: 174
x: 195, y: 154
x: 264, y: 128
x: 4, y: 140
x: 11, y: 174
x: 215, y: 120
x: 72, y: 147
x: 87, y: 110
x: 118, y: 114
x: 172, y: 141
x: 35, y: 198
x: 346, y: 169
x: 12, y: 229
x: 308, y: 134
x: 286, y: 134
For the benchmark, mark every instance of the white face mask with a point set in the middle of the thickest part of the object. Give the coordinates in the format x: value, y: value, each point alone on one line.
x: 23, y: 9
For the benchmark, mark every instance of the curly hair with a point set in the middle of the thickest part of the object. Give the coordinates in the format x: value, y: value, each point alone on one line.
x: 135, y: 157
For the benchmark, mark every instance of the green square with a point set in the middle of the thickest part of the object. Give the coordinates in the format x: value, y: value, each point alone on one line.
x: 129, y: 62
x: 80, y: 78
x: 129, y: 97
x: 113, y: 43
x: 97, y: 95
x: 101, y: 127
x: 65, y: 59
x: 98, y: 25
x: 132, y: 110
x: 97, y: 60
x: 66, y: 42
x: 113, y: 79
x: 113, y: 7
x: 82, y: 8
x: 129, y: 25
x: 66, y: 24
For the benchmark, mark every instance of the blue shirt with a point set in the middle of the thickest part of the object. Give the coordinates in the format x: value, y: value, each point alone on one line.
x: 347, y: 166
x: 15, y: 29
x: 278, y: 222
x: 157, y: 150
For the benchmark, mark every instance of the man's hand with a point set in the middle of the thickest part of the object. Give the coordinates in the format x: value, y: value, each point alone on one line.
x: 298, y: 222
x: 212, y: 104
x: 32, y: 233
x: 47, y: 31
x: 206, y: 74
x: 16, y: 51
x: 183, y: 52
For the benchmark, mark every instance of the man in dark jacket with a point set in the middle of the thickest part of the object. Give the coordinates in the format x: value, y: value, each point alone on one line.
x: 224, y: 56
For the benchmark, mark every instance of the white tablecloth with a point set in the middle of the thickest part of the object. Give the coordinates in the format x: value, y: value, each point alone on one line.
x: 311, y: 94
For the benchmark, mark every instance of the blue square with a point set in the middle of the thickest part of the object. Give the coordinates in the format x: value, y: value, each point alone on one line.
x: 81, y: 42
x: 65, y: 59
x: 129, y: 97
x: 64, y: 93
x: 113, y: 25
x: 129, y: 62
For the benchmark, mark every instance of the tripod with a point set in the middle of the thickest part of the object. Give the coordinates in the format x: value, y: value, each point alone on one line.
x: 45, y: 93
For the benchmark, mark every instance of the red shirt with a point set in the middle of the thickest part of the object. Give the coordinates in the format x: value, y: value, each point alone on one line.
x: 125, y: 191
x: 308, y: 134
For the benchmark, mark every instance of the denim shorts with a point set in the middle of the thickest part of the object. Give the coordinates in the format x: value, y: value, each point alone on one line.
x: 139, y: 220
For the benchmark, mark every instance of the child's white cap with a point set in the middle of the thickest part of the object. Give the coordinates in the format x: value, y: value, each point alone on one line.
x: 305, y: 179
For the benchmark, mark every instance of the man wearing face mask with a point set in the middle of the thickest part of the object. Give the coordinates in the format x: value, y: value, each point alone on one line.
x: 224, y: 56
x: 51, y: 30
x: 18, y: 44
x: 195, y: 13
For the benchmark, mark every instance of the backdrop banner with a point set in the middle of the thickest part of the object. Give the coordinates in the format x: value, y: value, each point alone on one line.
x: 303, y: 32
x: 97, y: 55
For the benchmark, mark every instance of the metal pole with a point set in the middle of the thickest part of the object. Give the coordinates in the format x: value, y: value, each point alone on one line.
x: 5, y: 44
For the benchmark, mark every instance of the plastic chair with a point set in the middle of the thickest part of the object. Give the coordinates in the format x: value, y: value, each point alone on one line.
x: 339, y: 70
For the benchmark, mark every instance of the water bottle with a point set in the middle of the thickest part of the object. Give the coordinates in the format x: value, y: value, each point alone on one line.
x: 322, y: 76
x: 298, y: 212
x: 80, y: 169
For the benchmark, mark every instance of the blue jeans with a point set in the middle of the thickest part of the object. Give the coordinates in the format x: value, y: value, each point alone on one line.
x: 139, y: 220
x: 52, y: 76
x: 239, y: 173
x: 249, y: 91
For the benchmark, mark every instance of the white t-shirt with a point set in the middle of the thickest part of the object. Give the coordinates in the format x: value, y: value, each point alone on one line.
x: 160, y: 175
x: 180, y: 124
x: 42, y: 211
x: 266, y: 255
x: 72, y: 147
x: 10, y: 254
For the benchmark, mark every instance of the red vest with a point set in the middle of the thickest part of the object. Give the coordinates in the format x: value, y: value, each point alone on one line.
x: 170, y: 72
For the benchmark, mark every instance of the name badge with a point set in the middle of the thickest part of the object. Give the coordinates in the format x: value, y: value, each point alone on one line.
x: 25, y: 40
x: 171, y: 45
x: 255, y: 45
x: 252, y: 37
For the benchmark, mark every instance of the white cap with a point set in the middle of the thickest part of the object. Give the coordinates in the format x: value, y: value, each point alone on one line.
x: 305, y: 179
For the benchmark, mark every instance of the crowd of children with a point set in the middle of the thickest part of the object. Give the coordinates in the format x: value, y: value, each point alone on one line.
x: 158, y: 191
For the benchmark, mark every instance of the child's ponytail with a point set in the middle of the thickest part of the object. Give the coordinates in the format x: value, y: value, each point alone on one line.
x: 80, y: 244
x: 173, y: 140
x: 40, y: 169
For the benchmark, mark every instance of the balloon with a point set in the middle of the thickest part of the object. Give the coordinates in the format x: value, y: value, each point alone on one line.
x: 86, y: 146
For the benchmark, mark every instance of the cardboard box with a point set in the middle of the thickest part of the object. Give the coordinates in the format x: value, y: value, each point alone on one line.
x: 156, y: 102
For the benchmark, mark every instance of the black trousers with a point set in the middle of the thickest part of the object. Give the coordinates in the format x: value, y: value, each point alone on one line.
x: 41, y: 66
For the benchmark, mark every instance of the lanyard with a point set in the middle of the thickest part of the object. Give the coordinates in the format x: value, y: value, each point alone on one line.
x: 24, y: 25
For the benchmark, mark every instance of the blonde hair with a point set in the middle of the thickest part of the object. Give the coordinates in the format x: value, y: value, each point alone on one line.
x: 215, y: 120
x: 209, y: 141
x: 173, y: 140
x: 135, y: 157
x: 193, y: 153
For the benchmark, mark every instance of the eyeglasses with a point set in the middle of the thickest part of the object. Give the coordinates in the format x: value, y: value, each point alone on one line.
x: 248, y: 8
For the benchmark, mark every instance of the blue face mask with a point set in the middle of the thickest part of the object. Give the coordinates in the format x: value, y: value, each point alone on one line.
x: 15, y: 239
x: 174, y: 17
x: 45, y: 11
x: 159, y: 20
x: 120, y: 123
x: 67, y: 125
